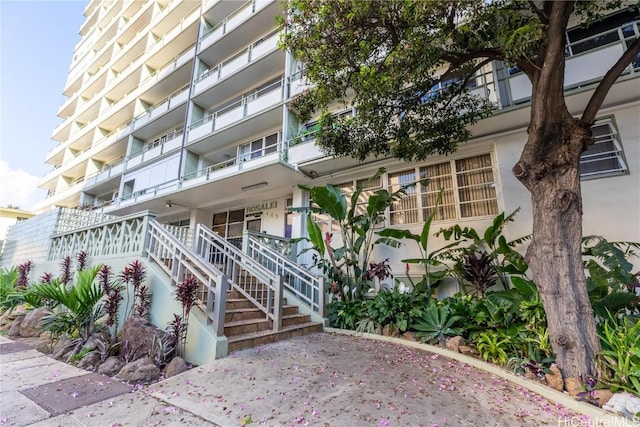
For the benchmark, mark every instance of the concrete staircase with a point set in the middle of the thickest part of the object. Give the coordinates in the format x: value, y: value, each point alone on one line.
x: 246, y: 325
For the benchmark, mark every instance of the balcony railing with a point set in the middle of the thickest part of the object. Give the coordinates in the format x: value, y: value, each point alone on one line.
x: 106, y: 172
x: 232, y: 21
x: 247, y: 106
x: 252, y: 53
x: 159, y: 146
x: 235, y: 165
x: 176, y: 98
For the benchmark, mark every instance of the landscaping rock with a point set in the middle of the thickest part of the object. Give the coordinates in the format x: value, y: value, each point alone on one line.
x: 111, y: 366
x: 175, y: 367
x: 61, y: 349
x: 454, y: 343
x: 602, y: 396
x: 468, y: 350
x: 9, y: 316
x: 411, y: 336
x: 31, y: 325
x: 46, y: 335
x: 573, y: 385
x: 141, y: 371
x: 44, y: 346
x: 90, y: 361
x: 390, y: 331
x: 554, y: 379
x: 623, y: 403
x: 14, y: 330
x: 137, y: 332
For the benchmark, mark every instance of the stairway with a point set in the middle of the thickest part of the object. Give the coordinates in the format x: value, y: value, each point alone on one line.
x: 246, y: 326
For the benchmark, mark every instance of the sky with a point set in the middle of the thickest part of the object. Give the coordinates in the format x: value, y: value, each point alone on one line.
x: 37, y: 39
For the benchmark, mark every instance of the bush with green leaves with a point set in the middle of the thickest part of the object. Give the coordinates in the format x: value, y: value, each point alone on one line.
x: 502, y: 258
x: 611, y: 282
x: 345, y: 266
x: 395, y: 308
x: 437, y: 322
x: 493, y: 347
x: 620, y: 338
x: 346, y: 313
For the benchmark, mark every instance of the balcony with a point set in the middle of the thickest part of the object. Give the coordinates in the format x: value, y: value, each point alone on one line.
x: 247, y: 107
x: 165, y: 144
x: 244, y: 162
x: 169, y: 103
x: 213, y: 46
x: 587, y: 62
x: 178, y: 39
x: 106, y: 173
x: 238, y: 69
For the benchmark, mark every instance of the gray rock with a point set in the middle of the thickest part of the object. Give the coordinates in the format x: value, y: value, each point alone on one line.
x: 90, y: 361
x: 111, y: 366
x: 175, y: 367
x: 62, y: 348
x: 44, y: 346
x: 14, y: 330
x: 141, y: 371
x: 31, y: 325
x: 138, y: 334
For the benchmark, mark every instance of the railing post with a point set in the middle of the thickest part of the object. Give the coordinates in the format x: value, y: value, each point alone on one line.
x: 277, y: 303
x: 219, y: 306
x: 321, y: 295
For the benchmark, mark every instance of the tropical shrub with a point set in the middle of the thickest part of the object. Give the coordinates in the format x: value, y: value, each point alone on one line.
x: 392, y: 307
x: 493, y: 347
x: 434, y: 268
x: 620, y: 338
x: 436, y: 322
x: 611, y: 283
x: 346, y: 313
x: 504, y: 259
x: 345, y: 266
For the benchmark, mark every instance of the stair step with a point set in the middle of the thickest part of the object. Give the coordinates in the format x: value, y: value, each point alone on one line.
x: 295, y: 319
x: 245, y: 326
x: 235, y: 315
x: 240, y: 342
x: 237, y: 303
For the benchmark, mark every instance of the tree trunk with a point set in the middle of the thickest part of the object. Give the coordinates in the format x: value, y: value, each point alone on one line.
x: 549, y: 168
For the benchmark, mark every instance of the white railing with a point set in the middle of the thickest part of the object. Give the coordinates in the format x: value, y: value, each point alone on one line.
x: 239, y: 110
x: 255, y: 158
x: 119, y: 236
x: 237, y: 61
x: 259, y: 285
x: 176, y: 98
x: 183, y: 234
x: 232, y: 21
x: 305, y: 286
x: 106, y: 172
x: 179, y: 263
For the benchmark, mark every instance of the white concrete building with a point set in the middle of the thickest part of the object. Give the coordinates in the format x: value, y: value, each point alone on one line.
x: 179, y: 107
x: 184, y: 102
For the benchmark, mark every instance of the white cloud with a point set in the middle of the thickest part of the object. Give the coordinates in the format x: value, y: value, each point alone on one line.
x: 18, y: 187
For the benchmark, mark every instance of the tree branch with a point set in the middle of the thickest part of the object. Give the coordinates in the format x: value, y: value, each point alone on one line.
x: 541, y: 15
x: 589, y: 114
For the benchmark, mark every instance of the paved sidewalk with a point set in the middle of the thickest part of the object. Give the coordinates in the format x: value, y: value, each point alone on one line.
x: 321, y: 380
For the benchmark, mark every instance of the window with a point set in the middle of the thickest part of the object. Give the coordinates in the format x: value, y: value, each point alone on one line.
x: 368, y: 187
x: 259, y: 147
x: 601, y: 33
x: 468, y: 187
x: 605, y: 157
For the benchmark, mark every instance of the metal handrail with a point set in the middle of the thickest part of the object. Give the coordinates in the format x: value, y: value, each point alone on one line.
x: 256, y: 283
x: 179, y: 263
x: 305, y: 286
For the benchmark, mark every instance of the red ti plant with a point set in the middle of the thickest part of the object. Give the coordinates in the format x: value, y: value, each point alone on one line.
x: 46, y: 278
x: 23, y: 274
x: 65, y: 270
x: 135, y: 274
x: 82, y: 260
x: 113, y: 297
x: 186, y: 294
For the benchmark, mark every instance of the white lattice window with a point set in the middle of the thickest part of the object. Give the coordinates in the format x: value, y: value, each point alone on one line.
x: 468, y: 190
x: 605, y: 157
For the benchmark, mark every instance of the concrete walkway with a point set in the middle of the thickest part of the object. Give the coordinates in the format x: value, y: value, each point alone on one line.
x: 321, y: 380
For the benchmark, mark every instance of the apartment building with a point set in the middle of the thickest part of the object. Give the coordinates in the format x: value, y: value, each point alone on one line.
x: 179, y: 107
